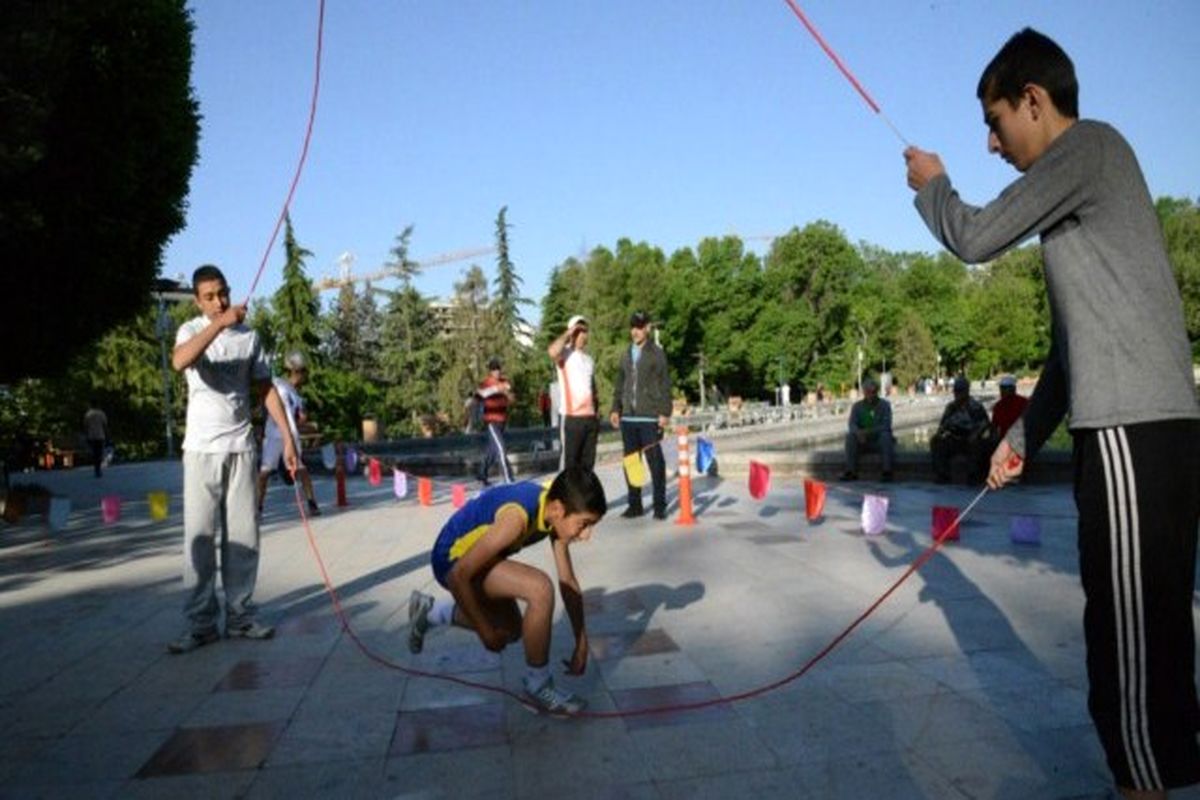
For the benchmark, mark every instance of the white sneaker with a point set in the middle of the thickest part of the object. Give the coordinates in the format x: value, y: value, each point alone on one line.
x: 552, y: 700
x: 419, y: 606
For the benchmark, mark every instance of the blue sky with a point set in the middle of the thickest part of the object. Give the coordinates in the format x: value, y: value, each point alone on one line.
x: 658, y: 120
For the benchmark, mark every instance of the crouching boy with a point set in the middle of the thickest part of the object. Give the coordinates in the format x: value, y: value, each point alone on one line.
x: 471, y: 560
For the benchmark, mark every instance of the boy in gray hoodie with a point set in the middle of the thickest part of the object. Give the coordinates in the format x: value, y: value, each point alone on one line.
x: 1120, y: 367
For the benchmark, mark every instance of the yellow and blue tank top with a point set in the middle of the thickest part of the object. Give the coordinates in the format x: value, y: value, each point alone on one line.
x: 469, y: 523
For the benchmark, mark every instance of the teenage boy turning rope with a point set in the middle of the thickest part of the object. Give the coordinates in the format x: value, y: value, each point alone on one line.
x: 1121, y: 368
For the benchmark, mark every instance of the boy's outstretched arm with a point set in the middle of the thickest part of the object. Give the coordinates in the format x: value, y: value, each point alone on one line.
x: 463, y: 579
x: 572, y: 596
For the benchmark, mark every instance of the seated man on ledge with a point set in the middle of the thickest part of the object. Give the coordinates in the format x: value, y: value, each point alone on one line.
x: 965, y: 429
x: 870, y: 429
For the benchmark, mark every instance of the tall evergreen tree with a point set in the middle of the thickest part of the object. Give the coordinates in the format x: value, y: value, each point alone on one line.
x: 508, y: 299
x: 295, y: 303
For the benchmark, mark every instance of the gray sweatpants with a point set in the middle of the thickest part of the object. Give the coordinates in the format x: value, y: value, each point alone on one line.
x: 219, y: 510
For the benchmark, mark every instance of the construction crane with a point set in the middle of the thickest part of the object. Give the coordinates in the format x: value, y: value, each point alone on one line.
x: 346, y: 260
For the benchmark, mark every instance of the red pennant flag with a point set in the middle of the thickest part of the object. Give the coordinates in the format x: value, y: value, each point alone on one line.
x: 814, y: 499
x: 945, y: 523
x: 374, y: 472
x: 458, y: 495
x: 760, y: 479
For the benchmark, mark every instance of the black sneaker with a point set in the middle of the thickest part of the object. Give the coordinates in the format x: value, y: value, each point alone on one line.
x: 631, y: 512
x: 660, y: 513
x: 314, y: 509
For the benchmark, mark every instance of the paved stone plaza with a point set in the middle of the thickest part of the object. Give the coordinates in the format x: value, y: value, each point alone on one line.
x: 967, y: 683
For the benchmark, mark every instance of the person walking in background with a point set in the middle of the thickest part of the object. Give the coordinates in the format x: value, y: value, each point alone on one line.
x: 870, y: 430
x: 641, y: 410
x: 494, y: 395
x: 577, y: 377
x: 272, y: 449
x: 544, y: 406
x: 223, y: 362
x: 1121, y: 366
x: 95, y: 430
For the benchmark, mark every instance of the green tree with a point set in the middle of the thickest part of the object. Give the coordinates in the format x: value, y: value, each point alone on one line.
x: 295, y: 304
x: 412, y: 360
x: 98, y: 142
x: 1181, y: 231
x: 915, y: 354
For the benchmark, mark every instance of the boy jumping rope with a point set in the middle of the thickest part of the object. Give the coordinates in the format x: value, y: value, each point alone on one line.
x: 471, y: 559
x: 1120, y: 366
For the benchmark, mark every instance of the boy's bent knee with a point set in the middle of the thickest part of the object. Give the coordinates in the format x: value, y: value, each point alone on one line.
x: 541, y: 592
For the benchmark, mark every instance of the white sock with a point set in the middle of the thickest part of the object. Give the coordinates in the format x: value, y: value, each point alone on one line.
x: 442, y: 612
x: 536, y: 677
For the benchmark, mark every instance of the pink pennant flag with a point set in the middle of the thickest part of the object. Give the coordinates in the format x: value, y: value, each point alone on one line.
x: 458, y: 495
x: 874, y: 514
x: 760, y: 479
x: 400, y: 484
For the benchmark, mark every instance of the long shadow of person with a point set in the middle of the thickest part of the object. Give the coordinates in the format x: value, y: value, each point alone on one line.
x: 991, y: 693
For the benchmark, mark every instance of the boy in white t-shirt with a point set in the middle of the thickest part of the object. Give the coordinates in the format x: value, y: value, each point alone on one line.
x: 272, y: 449
x: 577, y: 377
x: 222, y: 361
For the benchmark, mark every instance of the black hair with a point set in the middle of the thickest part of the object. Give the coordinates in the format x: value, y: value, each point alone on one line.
x: 579, y: 490
x: 1031, y: 57
x: 207, y: 272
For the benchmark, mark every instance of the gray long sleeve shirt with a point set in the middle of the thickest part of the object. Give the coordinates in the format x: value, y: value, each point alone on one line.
x: 1119, y: 352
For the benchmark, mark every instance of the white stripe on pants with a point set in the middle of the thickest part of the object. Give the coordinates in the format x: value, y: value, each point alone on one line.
x: 1125, y: 550
x: 219, y: 511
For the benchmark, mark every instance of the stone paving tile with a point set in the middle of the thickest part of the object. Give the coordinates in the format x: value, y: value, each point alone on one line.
x: 432, y: 730
x: 734, y: 785
x: 317, y: 739
x: 79, y: 760
x: 205, y: 786
x: 444, y: 776
x: 698, y: 750
x: 344, y: 780
x: 896, y: 775
x: 666, y: 696
x: 268, y: 674
x: 245, y: 707
x: 221, y: 748
x: 601, y: 761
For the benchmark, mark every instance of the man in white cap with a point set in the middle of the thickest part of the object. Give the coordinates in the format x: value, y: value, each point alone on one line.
x: 272, y: 448
x: 1008, y: 408
x: 577, y: 377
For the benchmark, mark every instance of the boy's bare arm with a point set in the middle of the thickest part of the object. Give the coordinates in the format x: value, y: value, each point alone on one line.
x: 475, y: 563
x: 572, y: 596
x: 274, y: 406
x: 189, y: 352
x: 558, y: 345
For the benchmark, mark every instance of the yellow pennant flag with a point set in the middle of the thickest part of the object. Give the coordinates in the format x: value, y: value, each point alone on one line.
x: 635, y: 471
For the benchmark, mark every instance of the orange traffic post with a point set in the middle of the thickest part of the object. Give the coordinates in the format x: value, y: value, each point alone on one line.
x: 339, y: 471
x: 425, y: 491
x: 685, y: 480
